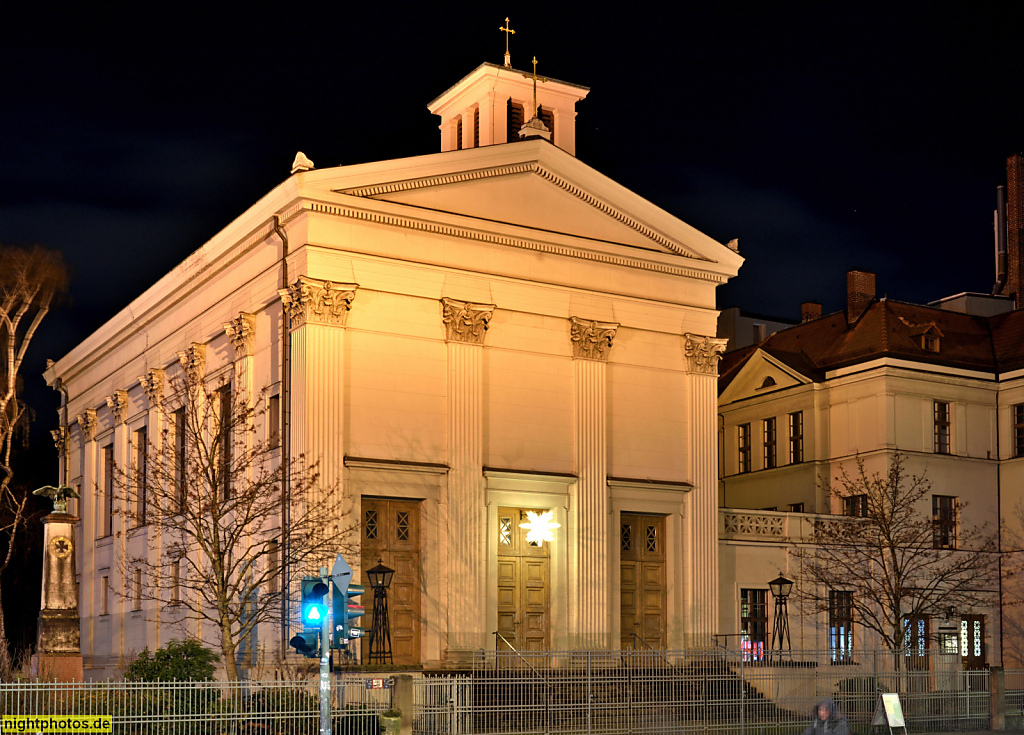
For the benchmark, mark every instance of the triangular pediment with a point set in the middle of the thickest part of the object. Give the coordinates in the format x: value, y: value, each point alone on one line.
x: 537, y: 186
x: 760, y: 375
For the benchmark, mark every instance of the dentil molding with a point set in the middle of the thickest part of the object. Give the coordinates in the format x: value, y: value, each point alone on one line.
x: 464, y: 321
x: 313, y: 301
x: 591, y: 340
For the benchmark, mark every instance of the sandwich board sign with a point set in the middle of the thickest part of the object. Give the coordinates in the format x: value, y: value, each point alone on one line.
x: 889, y: 712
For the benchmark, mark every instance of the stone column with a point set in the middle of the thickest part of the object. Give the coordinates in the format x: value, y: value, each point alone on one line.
x: 465, y: 327
x: 317, y: 312
x: 153, y: 384
x: 700, y: 536
x: 118, y: 405
x: 89, y: 505
x: 591, y: 343
x: 58, y: 639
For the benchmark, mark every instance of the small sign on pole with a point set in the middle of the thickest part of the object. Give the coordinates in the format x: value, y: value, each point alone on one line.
x: 888, y: 711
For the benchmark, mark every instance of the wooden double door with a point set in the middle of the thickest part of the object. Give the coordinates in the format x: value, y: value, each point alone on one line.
x: 391, y: 534
x: 642, y: 580
x: 524, y: 567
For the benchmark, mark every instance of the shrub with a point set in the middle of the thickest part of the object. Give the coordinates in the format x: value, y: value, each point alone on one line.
x: 186, y: 660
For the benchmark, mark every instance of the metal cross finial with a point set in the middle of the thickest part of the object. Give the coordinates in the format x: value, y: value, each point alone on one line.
x: 535, y: 86
x: 507, y: 28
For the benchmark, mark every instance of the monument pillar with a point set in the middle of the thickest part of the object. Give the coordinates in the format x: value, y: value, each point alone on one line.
x: 58, y: 638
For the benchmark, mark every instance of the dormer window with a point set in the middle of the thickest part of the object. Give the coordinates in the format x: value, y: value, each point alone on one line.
x: 767, y: 383
x: 930, y: 342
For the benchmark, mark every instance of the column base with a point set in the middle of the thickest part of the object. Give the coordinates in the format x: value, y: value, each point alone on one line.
x: 57, y: 667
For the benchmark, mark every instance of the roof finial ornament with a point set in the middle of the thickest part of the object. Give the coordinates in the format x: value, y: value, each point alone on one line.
x: 507, y: 28
x: 535, y: 128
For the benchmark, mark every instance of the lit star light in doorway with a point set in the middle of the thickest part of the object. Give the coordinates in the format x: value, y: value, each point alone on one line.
x: 541, y: 527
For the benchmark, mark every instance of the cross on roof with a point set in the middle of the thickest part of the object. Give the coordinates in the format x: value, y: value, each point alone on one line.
x: 507, y: 28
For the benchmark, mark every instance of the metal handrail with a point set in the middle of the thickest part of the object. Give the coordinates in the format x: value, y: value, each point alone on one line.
x: 523, y: 658
x: 659, y: 653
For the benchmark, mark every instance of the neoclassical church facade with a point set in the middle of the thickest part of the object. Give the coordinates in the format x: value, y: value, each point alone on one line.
x: 458, y: 338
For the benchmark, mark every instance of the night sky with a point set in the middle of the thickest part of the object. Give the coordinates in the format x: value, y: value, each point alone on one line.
x: 824, y: 136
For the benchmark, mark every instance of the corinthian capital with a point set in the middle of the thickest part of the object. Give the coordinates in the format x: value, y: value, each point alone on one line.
x: 153, y: 383
x: 118, y: 405
x: 465, y: 322
x: 193, y: 362
x: 703, y: 353
x: 60, y: 438
x: 87, y: 423
x: 591, y: 340
x: 242, y: 332
x: 318, y: 302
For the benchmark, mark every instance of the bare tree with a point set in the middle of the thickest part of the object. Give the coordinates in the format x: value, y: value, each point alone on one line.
x: 899, y: 562
x: 209, y: 488
x: 30, y: 278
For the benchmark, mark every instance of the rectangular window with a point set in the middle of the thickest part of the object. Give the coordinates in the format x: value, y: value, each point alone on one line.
x: 107, y: 513
x: 769, y: 443
x: 796, y: 507
x: 141, y: 476
x: 744, y: 447
x: 972, y: 641
x: 796, y: 437
x: 176, y: 581
x: 274, y: 568
x: 944, y: 512
x: 941, y: 427
x: 840, y: 626
x: 137, y: 590
x: 180, y: 458
x: 274, y: 422
x: 754, y: 623
x: 226, y: 420
x: 856, y: 506
x: 916, y: 634
x: 1017, y: 414
x: 104, y: 595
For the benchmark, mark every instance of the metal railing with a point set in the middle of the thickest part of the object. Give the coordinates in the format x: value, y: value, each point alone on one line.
x: 204, y: 707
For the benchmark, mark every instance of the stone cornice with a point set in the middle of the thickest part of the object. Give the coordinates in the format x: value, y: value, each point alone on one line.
x: 118, y: 405
x: 469, y: 233
x: 313, y: 301
x: 465, y: 322
x: 242, y: 332
x: 703, y: 353
x: 534, y: 167
x: 591, y: 340
x: 153, y: 383
x: 193, y: 362
x: 87, y: 423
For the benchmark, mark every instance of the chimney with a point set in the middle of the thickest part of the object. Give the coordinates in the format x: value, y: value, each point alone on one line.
x: 860, y: 292
x: 1014, y: 229
x: 809, y: 311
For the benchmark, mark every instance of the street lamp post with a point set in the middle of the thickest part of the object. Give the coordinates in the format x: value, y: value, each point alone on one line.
x: 380, y: 631
x: 781, y: 587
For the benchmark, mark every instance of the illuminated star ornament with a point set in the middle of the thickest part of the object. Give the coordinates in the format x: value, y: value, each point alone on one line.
x: 541, y: 527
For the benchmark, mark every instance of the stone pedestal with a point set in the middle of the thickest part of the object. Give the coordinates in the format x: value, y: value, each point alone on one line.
x: 58, y: 637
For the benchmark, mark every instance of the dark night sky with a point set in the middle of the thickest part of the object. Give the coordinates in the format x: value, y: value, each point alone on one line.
x: 824, y: 136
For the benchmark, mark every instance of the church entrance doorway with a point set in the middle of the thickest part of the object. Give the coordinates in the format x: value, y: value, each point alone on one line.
x: 523, y: 585
x: 391, y: 533
x: 642, y: 580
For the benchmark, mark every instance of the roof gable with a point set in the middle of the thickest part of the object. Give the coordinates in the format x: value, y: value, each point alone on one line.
x: 761, y: 374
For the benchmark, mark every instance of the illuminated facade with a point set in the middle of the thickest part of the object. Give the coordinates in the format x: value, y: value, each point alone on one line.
x: 472, y: 336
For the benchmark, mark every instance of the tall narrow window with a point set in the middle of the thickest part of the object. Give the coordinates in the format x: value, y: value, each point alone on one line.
x: 458, y: 135
x: 856, y: 506
x: 274, y: 421
x: 180, y: 458
x: 941, y: 427
x: 137, y: 590
x: 916, y: 634
x: 141, y: 476
x: 107, y: 514
x: 476, y: 128
x: 944, y: 514
x: 769, y: 443
x: 515, y: 121
x: 274, y: 567
x: 226, y: 420
x: 840, y: 626
x: 796, y: 437
x: 176, y: 581
x: 744, y: 447
x: 548, y: 118
x: 104, y: 595
x: 972, y: 641
x: 753, y: 623
x: 1017, y: 414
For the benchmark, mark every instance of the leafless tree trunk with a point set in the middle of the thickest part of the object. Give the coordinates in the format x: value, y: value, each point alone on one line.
x: 208, y: 489
x: 29, y: 281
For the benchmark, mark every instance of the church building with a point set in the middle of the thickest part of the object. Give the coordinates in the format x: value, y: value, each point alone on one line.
x: 459, y: 338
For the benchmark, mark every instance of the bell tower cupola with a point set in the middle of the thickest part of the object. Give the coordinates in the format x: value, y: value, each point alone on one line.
x: 499, y: 104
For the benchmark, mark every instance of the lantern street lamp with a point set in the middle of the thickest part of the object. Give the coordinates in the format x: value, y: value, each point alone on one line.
x: 781, y: 587
x: 380, y: 631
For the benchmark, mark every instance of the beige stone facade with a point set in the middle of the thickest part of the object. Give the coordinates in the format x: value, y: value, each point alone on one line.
x: 460, y: 337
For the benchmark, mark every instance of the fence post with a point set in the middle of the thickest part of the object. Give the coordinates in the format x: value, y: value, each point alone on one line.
x: 997, y: 694
x: 401, y: 698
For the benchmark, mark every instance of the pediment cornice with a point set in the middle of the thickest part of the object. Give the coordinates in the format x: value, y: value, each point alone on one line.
x: 528, y: 167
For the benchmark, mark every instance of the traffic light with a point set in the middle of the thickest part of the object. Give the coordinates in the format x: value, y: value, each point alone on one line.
x: 344, y: 611
x: 313, y: 609
x: 308, y: 644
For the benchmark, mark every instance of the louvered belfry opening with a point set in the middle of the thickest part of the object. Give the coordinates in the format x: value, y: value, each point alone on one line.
x: 515, y: 121
x: 548, y: 118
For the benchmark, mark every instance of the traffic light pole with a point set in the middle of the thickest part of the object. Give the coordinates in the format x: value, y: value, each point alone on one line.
x: 325, y: 665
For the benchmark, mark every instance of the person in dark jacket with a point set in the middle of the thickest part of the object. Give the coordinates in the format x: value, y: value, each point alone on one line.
x: 827, y: 721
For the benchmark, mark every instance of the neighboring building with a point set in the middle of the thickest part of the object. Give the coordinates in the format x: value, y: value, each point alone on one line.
x: 511, y: 331
x: 742, y: 328
x: 943, y: 387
